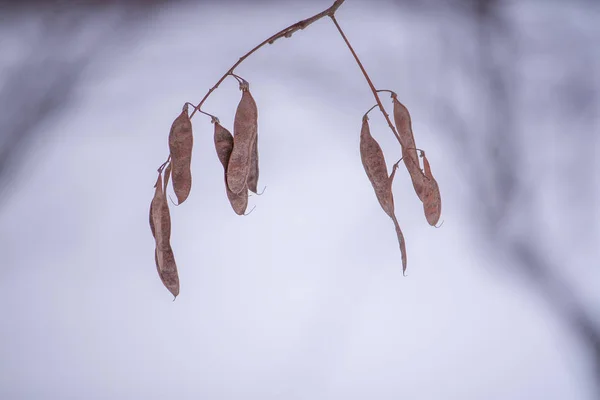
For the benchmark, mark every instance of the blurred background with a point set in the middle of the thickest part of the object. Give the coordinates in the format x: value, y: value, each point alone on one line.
x: 304, y: 298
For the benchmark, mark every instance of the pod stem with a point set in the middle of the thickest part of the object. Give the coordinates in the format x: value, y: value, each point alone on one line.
x: 386, y: 90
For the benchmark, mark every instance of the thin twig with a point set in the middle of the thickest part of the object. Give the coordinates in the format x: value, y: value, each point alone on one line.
x: 287, y: 32
x: 385, y: 114
x: 387, y: 90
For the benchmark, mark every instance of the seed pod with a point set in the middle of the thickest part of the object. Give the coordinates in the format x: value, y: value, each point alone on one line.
x: 161, y: 219
x: 374, y: 163
x: 224, y: 145
x: 375, y: 167
x: 407, y: 141
x: 245, y: 129
x: 432, y: 202
x: 158, y: 182
x: 253, y: 173
x: 160, y: 224
x: 181, y: 142
x: 404, y: 126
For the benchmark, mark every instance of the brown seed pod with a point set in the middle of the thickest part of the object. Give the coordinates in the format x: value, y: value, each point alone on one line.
x: 432, y: 202
x: 253, y: 173
x: 160, y: 216
x: 158, y: 182
x: 160, y: 224
x: 407, y: 141
x: 404, y: 127
x: 245, y: 130
x: 181, y: 142
x: 224, y: 145
x: 374, y: 163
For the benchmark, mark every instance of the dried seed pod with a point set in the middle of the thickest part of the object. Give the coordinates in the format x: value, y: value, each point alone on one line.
x: 253, y: 173
x: 432, y: 202
x: 245, y: 129
x: 407, y: 141
x: 224, y: 145
x: 374, y: 163
x: 160, y: 216
x: 181, y: 142
x: 404, y: 127
x: 158, y: 182
x: 160, y: 224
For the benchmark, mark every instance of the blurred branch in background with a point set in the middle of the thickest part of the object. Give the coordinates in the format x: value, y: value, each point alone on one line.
x: 526, y: 140
x: 46, y: 47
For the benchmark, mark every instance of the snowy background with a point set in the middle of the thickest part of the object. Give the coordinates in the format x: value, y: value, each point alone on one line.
x: 304, y: 298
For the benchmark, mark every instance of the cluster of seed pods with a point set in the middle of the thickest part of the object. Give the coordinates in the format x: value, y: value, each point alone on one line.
x: 374, y: 164
x: 238, y: 153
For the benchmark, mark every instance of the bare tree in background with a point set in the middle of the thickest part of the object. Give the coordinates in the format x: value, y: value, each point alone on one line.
x: 516, y: 117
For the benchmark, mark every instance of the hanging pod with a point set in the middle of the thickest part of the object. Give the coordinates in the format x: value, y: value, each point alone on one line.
x: 160, y: 225
x: 374, y: 164
x: 245, y: 128
x: 181, y: 142
x: 432, y: 202
x: 407, y: 141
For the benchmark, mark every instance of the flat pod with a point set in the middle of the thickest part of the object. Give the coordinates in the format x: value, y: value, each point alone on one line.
x: 404, y: 127
x: 224, y: 145
x: 160, y: 224
x: 374, y: 164
x: 157, y: 194
x: 160, y: 217
x: 407, y: 141
x: 245, y: 129
x: 432, y: 203
x: 181, y: 142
